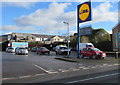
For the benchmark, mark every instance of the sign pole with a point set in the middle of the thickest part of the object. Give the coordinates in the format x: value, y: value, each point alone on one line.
x: 78, y: 35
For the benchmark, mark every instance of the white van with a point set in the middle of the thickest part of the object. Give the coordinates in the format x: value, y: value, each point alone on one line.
x: 84, y: 45
x: 62, y: 50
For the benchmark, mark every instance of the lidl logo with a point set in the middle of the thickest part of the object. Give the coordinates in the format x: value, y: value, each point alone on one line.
x: 84, y: 12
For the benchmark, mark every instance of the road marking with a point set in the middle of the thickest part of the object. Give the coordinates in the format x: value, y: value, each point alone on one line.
x: 93, y: 78
x: 45, y: 69
x: 25, y: 76
x: 39, y: 74
x: 8, y: 78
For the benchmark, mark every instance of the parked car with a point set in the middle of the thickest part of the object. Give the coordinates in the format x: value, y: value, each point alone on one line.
x: 10, y: 50
x: 21, y: 50
x: 34, y: 49
x: 92, y: 52
x: 43, y: 50
x: 62, y: 50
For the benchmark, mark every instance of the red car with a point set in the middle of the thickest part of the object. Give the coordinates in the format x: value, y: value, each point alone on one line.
x: 43, y: 50
x: 92, y: 52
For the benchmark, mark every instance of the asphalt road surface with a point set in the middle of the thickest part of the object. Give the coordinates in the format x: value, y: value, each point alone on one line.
x: 42, y: 68
x: 102, y: 77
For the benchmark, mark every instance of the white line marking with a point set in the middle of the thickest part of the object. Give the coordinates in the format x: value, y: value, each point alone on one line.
x: 25, y: 76
x: 93, y: 78
x: 75, y: 69
x: 44, y: 69
x: 8, y: 78
x: 65, y: 70
x: 39, y: 74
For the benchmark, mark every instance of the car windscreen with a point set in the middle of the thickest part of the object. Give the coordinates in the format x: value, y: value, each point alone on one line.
x: 10, y: 48
x: 44, y: 48
x: 89, y: 46
x: 95, y: 49
x: 22, y: 48
x: 63, y: 47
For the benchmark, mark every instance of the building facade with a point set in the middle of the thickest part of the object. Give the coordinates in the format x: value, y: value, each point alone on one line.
x: 27, y: 37
x: 116, y: 37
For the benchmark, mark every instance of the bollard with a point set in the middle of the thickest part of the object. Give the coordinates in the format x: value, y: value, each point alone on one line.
x: 116, y: 55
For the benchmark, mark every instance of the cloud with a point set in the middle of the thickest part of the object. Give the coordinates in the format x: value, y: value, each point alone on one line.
x: 16, y: 28
x: 50, y: 19
x: 102, y: 13
x: 110, y: 32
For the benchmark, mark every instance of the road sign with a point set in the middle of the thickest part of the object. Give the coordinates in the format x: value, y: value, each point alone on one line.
x: 84, y: 12
x: 86, y: 30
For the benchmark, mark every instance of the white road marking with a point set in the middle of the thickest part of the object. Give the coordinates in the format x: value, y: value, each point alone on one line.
x: 93, y: 78
x: 8, y: 78
x: 65, y: 70
x: 39, y: 74
x: 44, y: 69
x: 75, y: 69
x: 25, y: 76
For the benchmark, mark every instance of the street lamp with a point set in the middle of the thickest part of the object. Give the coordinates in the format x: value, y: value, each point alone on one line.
x: 68, y: 39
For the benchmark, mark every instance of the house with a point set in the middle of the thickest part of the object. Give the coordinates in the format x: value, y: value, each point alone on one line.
x: 116, y: 37
x: 5, y: 37
x: 35, y: 38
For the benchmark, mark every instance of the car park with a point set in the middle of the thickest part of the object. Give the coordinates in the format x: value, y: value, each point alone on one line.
x: 93, y: 53
x: 10, y: 50
x: 21, y: 50
x: 43, y: 50
x: 62, y: 50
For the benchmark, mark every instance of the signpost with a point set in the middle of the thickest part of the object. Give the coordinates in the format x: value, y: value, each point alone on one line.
x: 83, y: 15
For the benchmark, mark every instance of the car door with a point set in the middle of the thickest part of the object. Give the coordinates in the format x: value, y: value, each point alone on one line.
x: 85, y: 52
x: 89, y: 53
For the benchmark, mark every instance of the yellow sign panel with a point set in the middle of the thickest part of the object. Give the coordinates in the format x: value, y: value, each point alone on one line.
x: 84, y: 12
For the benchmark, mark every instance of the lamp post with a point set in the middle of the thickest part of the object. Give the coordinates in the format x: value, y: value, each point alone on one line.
x: 68, y: 39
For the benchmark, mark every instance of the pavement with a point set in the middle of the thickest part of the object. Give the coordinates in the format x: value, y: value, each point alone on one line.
x: 111, y: 57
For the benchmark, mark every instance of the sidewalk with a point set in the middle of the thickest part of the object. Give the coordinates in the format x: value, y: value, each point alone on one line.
x: 111, y: 56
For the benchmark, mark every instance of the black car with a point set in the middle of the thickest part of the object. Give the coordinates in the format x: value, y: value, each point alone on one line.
x: 34, y: 49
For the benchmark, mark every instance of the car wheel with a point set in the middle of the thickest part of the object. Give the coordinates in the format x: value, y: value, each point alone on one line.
x: 48, y: 53
x: 93, y: 57
x: 82, y: 56
x: 56, y: 53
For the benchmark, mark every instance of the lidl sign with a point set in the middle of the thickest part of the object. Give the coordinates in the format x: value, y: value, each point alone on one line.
x: 84, y: 12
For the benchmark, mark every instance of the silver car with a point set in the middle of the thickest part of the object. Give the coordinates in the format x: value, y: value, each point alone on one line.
x: 21, y: 50
x: 10, y: 50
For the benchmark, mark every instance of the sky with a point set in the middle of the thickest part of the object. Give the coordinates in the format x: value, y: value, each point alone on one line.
x: 48, y: 17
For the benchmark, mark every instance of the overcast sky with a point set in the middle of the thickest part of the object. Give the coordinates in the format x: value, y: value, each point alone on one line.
x: 48, y: 17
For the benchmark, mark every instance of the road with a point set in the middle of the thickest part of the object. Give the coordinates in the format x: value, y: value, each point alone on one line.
x: 42, y: 68
x: 103, y: 77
